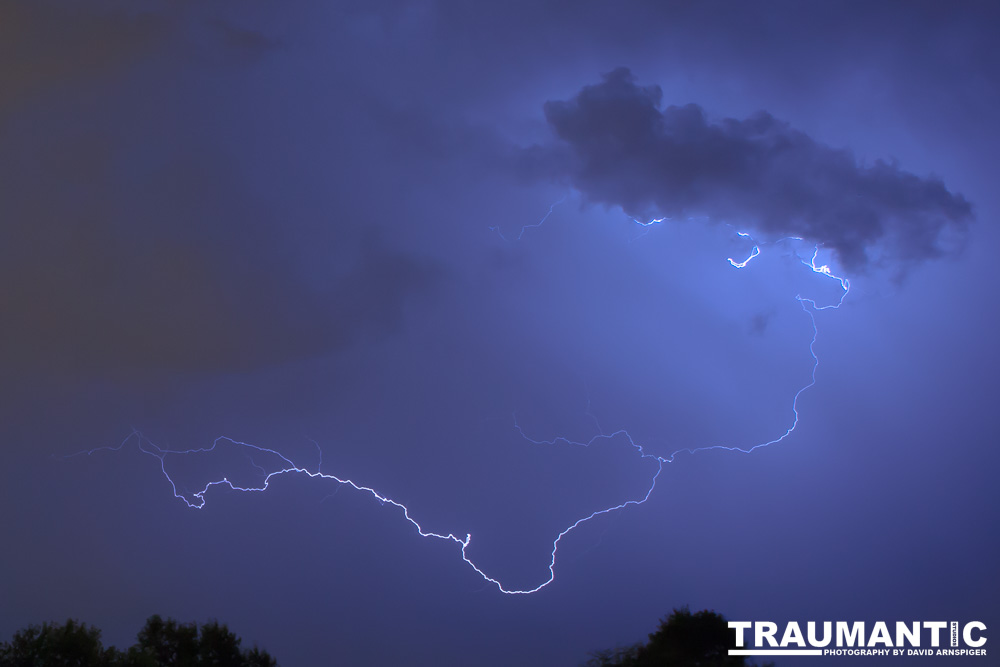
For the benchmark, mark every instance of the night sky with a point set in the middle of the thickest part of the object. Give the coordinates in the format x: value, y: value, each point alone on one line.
x: 313, y: 227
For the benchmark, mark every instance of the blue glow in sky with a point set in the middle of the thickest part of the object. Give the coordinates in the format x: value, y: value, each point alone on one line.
x: 459, y: 254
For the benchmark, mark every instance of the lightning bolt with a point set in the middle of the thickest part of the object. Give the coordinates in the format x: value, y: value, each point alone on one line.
x: 753, y: 253
x: 809, y: 306
x: 285, y: 466
x: 534, y: 225
x: 197, y: 499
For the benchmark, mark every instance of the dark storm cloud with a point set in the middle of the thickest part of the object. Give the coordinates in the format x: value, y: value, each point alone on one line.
x: 621, y: 148
x: 133, y: 242
x: 81, y: 297
x: 45, y: 45
x: 178, y: 270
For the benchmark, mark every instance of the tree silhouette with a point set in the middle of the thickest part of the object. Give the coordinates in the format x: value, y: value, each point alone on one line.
x: 70, y: 644
x: 165, y: 643
x: 160, y: 644
x: 702, y: 639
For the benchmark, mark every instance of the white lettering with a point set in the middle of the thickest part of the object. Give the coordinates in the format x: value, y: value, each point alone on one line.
x: 912, y: 634
x: 766, y: 630
x: 792, y: 634
x: 935, y: 627
x: 856, y: 636
x: 880, y: 635
x: 827, y: 634
x: 739, y: 626
x: 967, y: 634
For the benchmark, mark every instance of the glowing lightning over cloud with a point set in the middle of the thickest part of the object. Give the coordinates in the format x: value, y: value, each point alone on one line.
x: 753, y: 253
x: 531, y: 226
x: 285, y: 466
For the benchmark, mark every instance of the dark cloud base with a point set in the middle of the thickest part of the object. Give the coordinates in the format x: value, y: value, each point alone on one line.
x: 133, y: 242
x: 618, y: 147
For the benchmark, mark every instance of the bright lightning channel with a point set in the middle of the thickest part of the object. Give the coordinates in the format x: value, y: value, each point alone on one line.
x: 289, y: 467
x: 147, y: 447
x: 753, y: 253
x: 808, y: 306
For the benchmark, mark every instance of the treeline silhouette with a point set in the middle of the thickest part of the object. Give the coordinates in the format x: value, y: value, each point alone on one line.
x: 159, y: 644
x: 683, y: 639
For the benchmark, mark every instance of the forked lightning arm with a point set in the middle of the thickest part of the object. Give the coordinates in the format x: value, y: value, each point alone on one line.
x: 534, y: 225
x: 288, y: 467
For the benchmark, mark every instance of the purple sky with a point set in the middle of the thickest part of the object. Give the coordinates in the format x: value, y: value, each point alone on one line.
x: 280, y: 225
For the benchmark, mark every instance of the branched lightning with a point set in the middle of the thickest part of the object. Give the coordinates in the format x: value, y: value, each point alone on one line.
x: 534, y: 225
x: 753, y: 253
x: 147, y: 447
x: 808, y: 306
x: 650, y: 222
x: 197, y: 499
